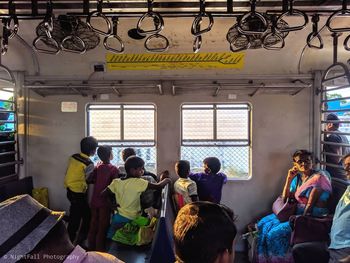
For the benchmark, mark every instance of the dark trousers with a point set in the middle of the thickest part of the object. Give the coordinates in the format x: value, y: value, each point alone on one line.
x: 79, y: 213
x: 100, y: 219
x: 311, y: 252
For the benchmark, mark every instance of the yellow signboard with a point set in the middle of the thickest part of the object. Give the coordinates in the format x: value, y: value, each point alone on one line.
x: 214, y: 60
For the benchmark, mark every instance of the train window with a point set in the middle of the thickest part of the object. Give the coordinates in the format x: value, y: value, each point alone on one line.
x: 335, y: 130
x: 221, y: 130
x: 122, y: 126
x: 8, y: 135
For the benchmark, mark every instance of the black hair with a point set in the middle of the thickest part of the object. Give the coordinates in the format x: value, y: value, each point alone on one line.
x: 302, y: 153
x: 88, y: 145
x: 213, y: 164
x: 104, y: 153
x: 127, y: 152
x: 182, y: 168
x: 203, y: 231
x: 333, y: 117
x: 133, y: 162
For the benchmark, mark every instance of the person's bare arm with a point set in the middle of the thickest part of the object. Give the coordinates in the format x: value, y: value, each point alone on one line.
x: 110, y: 196
x: 291, y: 174
x: 312, y: 200
x: 160, y: 185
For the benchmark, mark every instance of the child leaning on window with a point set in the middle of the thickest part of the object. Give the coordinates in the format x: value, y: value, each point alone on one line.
x: 127, y: 191
x: 102, y: 176
x: 184, y: 186
x: 210, y: 183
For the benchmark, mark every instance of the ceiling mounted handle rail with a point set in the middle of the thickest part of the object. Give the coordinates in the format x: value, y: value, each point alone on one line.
x: 5, y: 37
x: 73, y: 41
x: 196, y: 26
x: 195, y: 29
x: 346, y: 43
x: 343, y: 12
x: 236, y: 42
x: 252, y: 17
x: 162, y: 47
x: 314, y: 34
x: 99, y: 14
x: 157, y: 21
x: 271, y: 40
x: 292, y: 13
x: 12, y: 23
x: 48, y: 20
x: 114, y: 36
x: 197, y: 44
x: 46, y: 43
x: 334, y: 68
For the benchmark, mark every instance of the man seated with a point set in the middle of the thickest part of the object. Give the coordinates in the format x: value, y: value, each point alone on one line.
x: 339, y: 249
x: 204, y: 232
x: 32, y: 233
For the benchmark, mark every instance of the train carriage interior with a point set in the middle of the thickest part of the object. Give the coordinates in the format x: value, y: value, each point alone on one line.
x: 249, y: 82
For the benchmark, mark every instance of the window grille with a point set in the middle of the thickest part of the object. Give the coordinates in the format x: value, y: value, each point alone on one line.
x: 219, y: 130
x: 122, y: 126
x: 9, y: 158
x: 335, y: 99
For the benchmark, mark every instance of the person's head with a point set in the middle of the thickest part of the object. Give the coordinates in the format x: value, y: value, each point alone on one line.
x: 127, y: 152
x: 105, y: 153
x: 182, y: 168
x: 134, y: 166
x: 24, y: 224
x: 211, y: 165
x: 88, y: 145
x: 204, y: 232
x: 302, y: 159
x: 332, y: 126
x: 346, y: 164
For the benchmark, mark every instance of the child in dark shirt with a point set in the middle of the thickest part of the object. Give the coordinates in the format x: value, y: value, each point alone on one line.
x: 210, y: 183
x: 102, y: 176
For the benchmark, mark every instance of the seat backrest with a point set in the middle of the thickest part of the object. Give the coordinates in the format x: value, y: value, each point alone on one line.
x: 162, y: 249
x: 19, y: 187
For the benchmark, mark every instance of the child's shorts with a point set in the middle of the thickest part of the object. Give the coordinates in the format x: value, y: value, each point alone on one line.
x: 118, y: 221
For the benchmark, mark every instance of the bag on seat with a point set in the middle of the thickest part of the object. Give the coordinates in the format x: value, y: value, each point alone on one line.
x: 309, y: 229
x: 284, y: 210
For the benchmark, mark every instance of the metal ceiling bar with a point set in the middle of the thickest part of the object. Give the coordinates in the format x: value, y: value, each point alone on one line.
x: 85, y: 5
x: 34, y: 7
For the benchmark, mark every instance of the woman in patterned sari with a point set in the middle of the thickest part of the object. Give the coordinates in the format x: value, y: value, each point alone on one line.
x: 311, y: 189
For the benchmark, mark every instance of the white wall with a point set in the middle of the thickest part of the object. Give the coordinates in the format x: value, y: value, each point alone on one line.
x: 280, y: 126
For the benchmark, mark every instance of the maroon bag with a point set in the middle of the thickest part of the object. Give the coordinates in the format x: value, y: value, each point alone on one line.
x: 310, y: 229
x: 284, y: 210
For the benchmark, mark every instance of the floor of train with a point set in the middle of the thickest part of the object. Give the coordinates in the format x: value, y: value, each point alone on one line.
x: 139, y: 254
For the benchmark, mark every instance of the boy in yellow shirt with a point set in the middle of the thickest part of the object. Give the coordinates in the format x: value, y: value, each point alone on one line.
x: 127, y: 191
x: 79, y: 169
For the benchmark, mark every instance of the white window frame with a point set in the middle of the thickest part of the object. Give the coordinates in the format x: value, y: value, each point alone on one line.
x: 223, y: 142
x: 121, y: 143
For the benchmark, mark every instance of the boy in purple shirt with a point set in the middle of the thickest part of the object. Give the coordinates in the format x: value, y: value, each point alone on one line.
x: 102, y: 176
x: 209, y: 183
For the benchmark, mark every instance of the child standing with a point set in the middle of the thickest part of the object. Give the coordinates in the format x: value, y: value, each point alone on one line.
x: 102, y: 176
x: 184, y: 186
x: 210, y: 183
x: 126, y: 153
x: 79, y: 168
x: 127, y: 192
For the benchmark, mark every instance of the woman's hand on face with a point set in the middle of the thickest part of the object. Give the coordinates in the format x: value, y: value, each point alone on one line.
x: 292, y: 172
